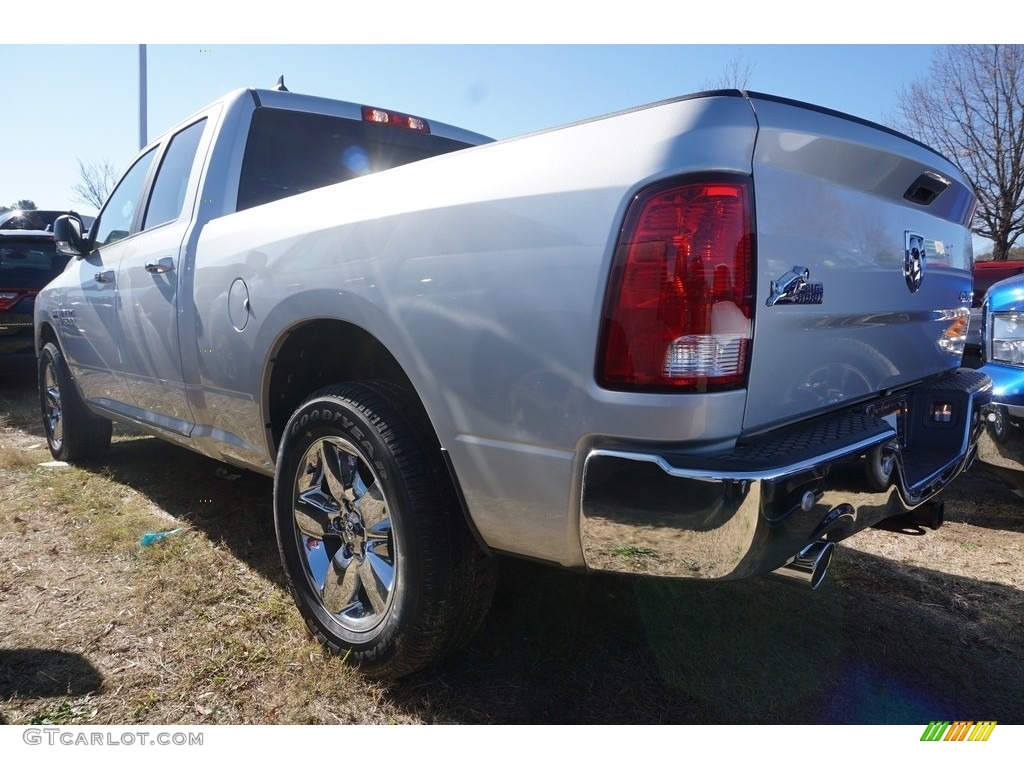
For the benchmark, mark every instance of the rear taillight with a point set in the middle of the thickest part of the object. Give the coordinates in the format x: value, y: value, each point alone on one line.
x: 397, y: 119
x: 9, y: 298
x: 678, y: 313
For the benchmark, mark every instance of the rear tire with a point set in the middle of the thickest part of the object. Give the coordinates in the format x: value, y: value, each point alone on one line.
x: 379, y: 560
x: 73, y: 434
x: 880, y: 465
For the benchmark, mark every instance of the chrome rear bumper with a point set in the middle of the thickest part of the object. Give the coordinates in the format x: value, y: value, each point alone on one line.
x: 755, y: 509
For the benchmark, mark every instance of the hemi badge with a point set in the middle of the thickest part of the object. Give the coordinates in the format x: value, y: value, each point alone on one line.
x: 795, y: 287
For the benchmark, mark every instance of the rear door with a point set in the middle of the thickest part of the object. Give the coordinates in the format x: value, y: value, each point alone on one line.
x: 864, y: 263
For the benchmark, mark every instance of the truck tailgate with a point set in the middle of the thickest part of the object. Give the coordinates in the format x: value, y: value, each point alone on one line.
x: 864, y: 263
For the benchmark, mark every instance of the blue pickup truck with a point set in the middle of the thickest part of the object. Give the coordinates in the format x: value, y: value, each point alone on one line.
x: 1001, y: 340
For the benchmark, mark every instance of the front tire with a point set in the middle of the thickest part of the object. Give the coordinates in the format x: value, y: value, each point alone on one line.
x: 72, y: 433
x: 378, y: 558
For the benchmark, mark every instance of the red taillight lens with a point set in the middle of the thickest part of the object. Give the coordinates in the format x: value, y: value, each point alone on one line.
x: 9, y: 298
x: 679, y: 309
x: 397, y: 119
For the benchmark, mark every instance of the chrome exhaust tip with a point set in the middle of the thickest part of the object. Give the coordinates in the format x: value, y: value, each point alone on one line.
x: 807, y: 569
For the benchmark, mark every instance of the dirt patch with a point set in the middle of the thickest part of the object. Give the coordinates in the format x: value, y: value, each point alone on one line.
x: 910, y: 626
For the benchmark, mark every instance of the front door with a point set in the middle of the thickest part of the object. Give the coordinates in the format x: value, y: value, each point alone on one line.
x: 89, y: 308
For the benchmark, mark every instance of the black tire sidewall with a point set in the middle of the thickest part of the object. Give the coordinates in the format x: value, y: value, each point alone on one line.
x: 334, y: 416
x: 1000, y: 427
x: 50, y: 357
x: 877, y: 477
x: 85, y: 436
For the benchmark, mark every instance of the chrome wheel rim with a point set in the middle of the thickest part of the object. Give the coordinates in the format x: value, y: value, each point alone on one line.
x: 343, y: 528
x: 887, y: 460
x: 886, y: 465
x: 52, y: 410
x: 999, y: 423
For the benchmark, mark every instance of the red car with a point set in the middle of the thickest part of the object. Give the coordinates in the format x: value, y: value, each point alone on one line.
x: 988, y: 273
x: 28, y: 261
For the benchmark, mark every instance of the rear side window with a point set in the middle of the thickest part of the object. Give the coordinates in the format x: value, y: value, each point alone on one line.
x: 168, y: 197
x: 291, y: 152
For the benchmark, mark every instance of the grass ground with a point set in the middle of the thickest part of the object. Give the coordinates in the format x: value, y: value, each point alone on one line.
x: 199, y: 629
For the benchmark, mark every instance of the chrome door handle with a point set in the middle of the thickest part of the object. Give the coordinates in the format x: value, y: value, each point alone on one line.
x: 160, y: 266
x: 104, y: 277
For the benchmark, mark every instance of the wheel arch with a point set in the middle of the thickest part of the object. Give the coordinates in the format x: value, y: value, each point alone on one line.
x: 316, y: 353
x: 46, y: 334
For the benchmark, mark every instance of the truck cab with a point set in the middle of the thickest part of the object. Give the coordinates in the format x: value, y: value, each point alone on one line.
x: 128, y: 317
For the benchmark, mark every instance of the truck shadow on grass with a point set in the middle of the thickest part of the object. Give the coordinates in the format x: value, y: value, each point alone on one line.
x: 881, y: 642
x: 988, y: 499
x: 227, y: 505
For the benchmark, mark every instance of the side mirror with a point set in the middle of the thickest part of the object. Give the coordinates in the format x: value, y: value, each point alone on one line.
x: 68, y: 238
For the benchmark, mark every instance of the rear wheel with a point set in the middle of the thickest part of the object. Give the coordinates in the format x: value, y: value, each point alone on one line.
x: 72, y: 433
x: 880, y: 465
x: 378, y: 557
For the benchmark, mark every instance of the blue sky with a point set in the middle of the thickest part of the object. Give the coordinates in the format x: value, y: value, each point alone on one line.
x: 81, y: 101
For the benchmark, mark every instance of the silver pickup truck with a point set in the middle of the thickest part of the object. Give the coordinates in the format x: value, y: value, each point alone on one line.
x: 704, y: 338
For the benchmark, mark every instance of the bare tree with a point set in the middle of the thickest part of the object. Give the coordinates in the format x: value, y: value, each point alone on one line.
x: 96, y: 180
x: 970, y: 107
x: 735, y: 75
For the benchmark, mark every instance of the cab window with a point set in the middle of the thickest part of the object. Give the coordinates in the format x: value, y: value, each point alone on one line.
x: 168, y: 197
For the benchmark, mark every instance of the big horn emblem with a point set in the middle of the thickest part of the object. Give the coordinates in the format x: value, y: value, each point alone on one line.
x: 914, y: 261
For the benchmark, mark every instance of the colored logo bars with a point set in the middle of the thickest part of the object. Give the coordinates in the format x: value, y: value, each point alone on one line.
x: 960, y: 730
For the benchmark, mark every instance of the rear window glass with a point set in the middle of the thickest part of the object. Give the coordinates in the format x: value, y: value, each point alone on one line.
x: 31, y: 220
x: 26, y: 263
x: 42, y: 220
x: 291, y: 152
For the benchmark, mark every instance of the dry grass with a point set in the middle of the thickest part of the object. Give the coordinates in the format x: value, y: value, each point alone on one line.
x: 95, y: 629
